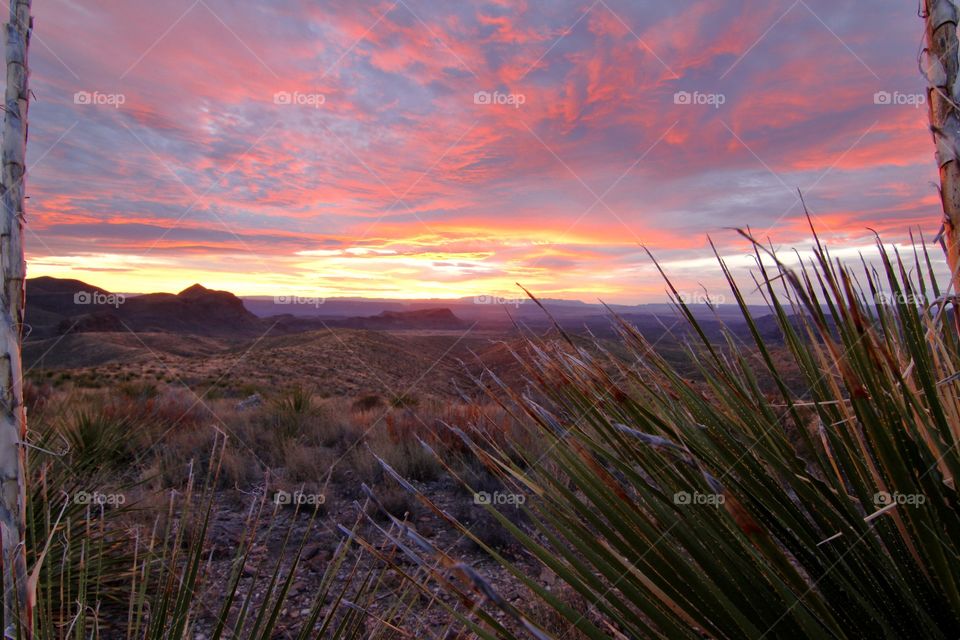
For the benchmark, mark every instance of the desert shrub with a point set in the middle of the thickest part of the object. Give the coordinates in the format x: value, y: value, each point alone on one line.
x: 174, y: 408
x: 358, y: 465
x: 325, y: 429
x: 138, y: 390
x: 238, y: 469
x: 408, y: 457
x: 475, y: 477
x: 369, y: 402
x: 98, y: 437
x: 247, y: 389
x: 304, y: 463
x: 487, y: 532
x: 186, y: 453
x: 77, y: 495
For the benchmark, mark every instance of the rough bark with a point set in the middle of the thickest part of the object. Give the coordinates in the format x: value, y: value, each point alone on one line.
x: 17, y: 600
x: 940, y: 65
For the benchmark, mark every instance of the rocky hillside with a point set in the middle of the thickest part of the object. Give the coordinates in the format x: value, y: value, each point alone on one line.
x: 56, y: 307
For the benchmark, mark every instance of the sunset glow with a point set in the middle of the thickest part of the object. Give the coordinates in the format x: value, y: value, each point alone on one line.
x: 423, y: 149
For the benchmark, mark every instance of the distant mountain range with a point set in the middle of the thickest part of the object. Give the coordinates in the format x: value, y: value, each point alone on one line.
x: 72, y: 324
x: 60, y: 306
x: 482, y: 308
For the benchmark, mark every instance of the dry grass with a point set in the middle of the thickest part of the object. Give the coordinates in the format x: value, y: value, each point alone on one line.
x: 293, y: 436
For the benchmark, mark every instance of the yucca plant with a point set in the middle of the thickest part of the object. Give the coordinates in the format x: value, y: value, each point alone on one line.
x: 76, y: 544
x: 299, y: 401
x: 98, y: 439
x: 291, y: 411
x: 796, y: 488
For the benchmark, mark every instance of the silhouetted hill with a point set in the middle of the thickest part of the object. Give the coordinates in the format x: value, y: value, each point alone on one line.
x: 194, y: 310
x: 56, y: 307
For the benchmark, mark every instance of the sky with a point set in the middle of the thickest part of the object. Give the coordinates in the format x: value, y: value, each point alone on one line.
x: 416, y: 148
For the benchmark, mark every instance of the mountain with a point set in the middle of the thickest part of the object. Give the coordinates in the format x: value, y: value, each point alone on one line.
x: 195, y: 310
x: 56, y: 307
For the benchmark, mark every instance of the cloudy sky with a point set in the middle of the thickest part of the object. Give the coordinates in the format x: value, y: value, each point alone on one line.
x: 416, y: 148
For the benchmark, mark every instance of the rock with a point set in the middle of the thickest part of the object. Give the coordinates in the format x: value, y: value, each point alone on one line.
x: 319, y: 561
x: 548, y: 577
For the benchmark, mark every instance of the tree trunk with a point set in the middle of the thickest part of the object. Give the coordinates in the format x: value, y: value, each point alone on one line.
x: 17, y: 599
x: 940, y: 65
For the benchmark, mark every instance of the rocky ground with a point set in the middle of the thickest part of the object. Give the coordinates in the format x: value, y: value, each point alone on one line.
x: 278, y: 544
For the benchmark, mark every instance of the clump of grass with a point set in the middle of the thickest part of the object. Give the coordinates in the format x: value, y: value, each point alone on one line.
x: 139, y: 390
x: 408, y: 457
x: 98, y: 437
x: 368, y: 402
x: 291, y: 411
x: 299, y: 401
x: 359, y: 465
x: 304, y: 463
x: 324, y: 428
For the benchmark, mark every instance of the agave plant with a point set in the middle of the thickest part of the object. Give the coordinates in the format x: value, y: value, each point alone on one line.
x: 802, y: 487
